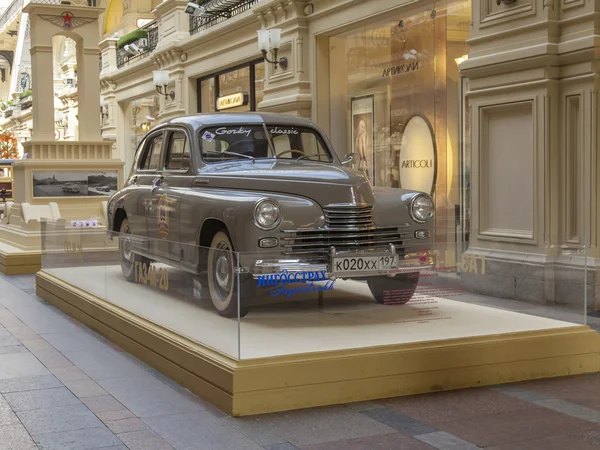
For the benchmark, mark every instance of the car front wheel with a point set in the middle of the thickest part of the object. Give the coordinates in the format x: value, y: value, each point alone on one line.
x: 128, y: 257
x: 394, y: 291
x: 222, y: 277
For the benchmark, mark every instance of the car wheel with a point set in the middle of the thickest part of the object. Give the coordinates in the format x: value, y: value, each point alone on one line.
x: 128, y: 257
x: 222, y: 278
x: 394, y: 291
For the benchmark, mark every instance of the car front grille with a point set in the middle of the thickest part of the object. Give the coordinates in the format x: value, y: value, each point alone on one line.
x: 348, y: 216
x: 317, y: 243
x: 348, y: 228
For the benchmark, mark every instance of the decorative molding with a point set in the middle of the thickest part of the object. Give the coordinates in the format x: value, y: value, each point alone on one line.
x: 491, y: 231
x: 568, y: 4
x: 573, y: 167
x: 277, y: 12
x: 67, y: 20
x: 493, y: 14
x: 300, y: 55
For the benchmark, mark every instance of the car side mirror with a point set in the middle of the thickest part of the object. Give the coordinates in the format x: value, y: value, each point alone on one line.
x: 349, y: 158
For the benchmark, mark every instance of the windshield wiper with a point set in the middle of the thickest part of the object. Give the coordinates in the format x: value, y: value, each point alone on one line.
x: 307, y: 157
x: 232, y: 153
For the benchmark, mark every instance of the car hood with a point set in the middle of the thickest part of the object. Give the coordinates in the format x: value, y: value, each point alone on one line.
x: 324, y: 183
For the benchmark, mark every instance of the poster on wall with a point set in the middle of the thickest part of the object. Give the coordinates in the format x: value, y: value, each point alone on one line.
x: 362, y: 120
x: 74, y: 184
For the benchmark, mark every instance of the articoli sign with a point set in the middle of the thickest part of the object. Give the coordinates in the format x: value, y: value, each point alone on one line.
x: 418, y: 156
x: 280, y: 282
x: 232, y: 101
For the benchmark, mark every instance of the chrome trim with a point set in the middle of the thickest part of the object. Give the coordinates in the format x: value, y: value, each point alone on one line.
x: 348, y: 215
x: 406, y: 263
x: 318, y: 241
x: 279, y: 220
x: 410, y: 208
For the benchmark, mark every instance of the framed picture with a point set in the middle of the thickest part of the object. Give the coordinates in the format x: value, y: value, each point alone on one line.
x: 362, y: 122
x: 74, y: 184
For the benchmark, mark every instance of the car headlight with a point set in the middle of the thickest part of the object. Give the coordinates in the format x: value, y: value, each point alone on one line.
x: 421, y: 208
x: 267, y: 214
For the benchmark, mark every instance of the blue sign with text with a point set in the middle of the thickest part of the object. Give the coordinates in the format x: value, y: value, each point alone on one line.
x: 281, y: 281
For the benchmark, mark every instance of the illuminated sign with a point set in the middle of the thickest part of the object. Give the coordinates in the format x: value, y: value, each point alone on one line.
x: 232, y: 101
x: 418, y: 159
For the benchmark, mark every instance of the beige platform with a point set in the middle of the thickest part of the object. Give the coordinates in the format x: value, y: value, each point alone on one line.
x: 21, y: 234
x: 295, y: 355
x: 16, y: 261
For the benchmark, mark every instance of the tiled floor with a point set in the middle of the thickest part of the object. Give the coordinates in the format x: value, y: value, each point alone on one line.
x: 64, y: 387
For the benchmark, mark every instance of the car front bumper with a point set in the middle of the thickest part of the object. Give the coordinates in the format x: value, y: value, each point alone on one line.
x: 404, y: 263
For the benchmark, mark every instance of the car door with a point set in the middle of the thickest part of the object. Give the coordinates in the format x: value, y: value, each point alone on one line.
x: 138, y: 202
x: 173, y: 180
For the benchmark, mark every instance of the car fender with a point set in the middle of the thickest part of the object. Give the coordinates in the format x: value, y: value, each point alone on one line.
x: 235, y: 209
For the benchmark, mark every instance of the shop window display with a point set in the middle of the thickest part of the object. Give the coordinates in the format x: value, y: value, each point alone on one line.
x: 400, y: 86
x: 234, y: 90
x: 142, y: 115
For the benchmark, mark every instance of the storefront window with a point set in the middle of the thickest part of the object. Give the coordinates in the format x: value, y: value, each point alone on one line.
x: 207, y: 95
x: 259, y: 83
x: 400, y: 87
x: 142, y: 116
x: 235, y: 90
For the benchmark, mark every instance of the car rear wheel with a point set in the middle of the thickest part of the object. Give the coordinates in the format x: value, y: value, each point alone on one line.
x: 222, y: 277
x: 128, y: 257
x: 394, y: 291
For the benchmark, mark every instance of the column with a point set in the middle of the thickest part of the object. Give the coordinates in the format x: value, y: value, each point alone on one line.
x: 89, y: 101
x: 43, y: 93
x: 287, y: 90
x: 108, y: 49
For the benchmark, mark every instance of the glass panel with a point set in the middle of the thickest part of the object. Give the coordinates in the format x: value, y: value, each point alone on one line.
x: 152, y: 156
x: 178, y: 153
x: 141, y: 116
x: 382, y: 75
x: 175, y: 295
x: 81, y: 244
x: 234, y: 82
x: 298, y: 143
x: 207, y: 95
x: 345, y: 298
x: 233, y: 143
x: 259, y: 83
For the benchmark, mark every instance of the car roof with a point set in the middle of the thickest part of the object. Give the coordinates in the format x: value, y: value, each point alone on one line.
x: 223, y: 118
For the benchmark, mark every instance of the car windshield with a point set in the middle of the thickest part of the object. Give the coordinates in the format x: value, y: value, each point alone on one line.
x: 237, y: 142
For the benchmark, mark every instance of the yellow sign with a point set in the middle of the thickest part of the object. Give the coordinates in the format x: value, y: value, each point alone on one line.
x: 149, y: 275
x: 163, y: 216
x: 232, y: 101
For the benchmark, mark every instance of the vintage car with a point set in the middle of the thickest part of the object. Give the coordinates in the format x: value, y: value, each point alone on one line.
x: 271, y: 189
x: 70, y: 187
x: 103, y: 188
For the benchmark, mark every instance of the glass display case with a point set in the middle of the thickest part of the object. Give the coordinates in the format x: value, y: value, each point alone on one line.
x: 306, y: 336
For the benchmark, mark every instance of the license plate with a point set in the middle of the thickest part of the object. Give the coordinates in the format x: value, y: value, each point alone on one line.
x: 363, y: 264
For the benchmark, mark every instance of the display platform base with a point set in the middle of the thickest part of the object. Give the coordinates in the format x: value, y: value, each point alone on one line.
x: 292, y: 358
x: 14, y: 261
x: 21, y: 250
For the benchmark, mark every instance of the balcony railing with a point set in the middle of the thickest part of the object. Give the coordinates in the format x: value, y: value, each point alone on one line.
x: 200, y: 23
x: 9, y: 14
x: 123, y: 57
